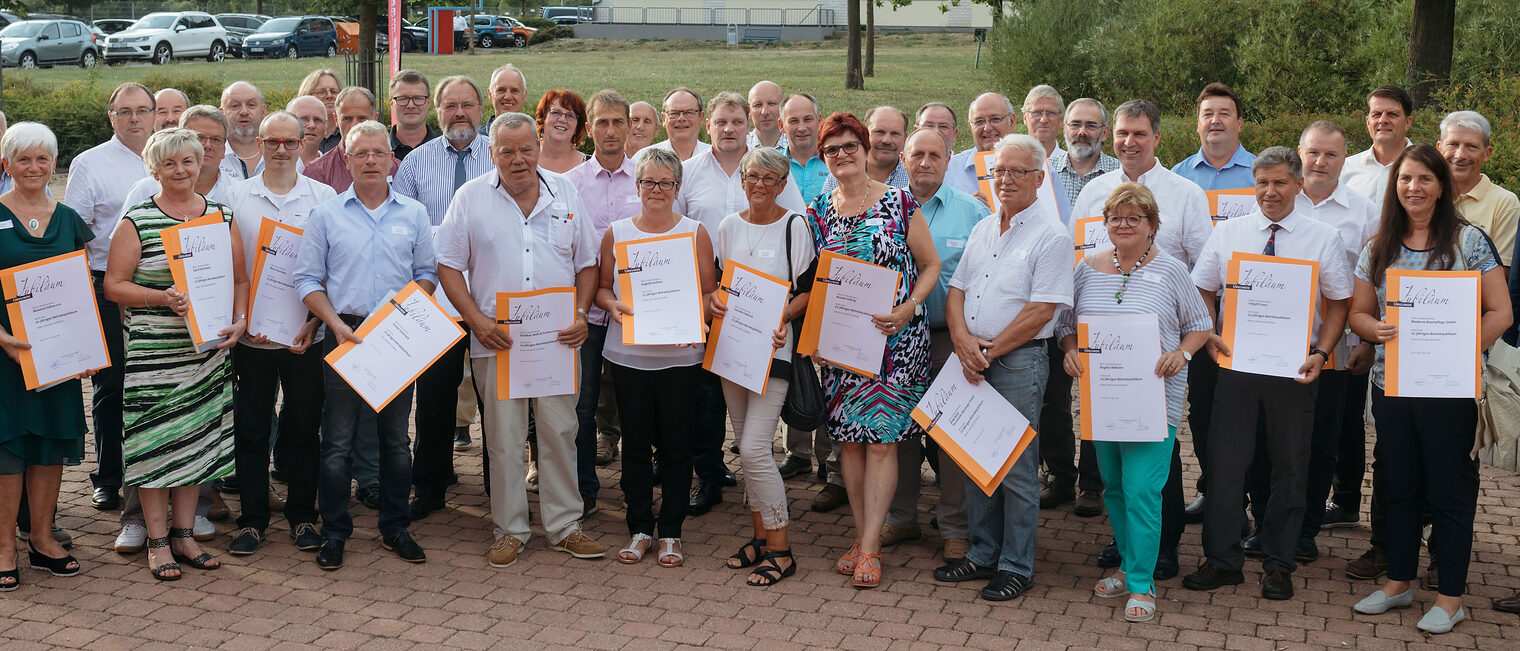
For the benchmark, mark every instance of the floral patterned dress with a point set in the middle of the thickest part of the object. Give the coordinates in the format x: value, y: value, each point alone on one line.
x: 876, y: 410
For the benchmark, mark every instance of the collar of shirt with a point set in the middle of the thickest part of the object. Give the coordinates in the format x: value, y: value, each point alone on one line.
x: 431, y: 134
x: 1290, y: 223
x: 118, y: 144
x: 1479, y: 191
x: 478, y: 147
x: 1146, y: 178
x: 1337, y: 196
x: 1061, y: 162
x: 594, y: 167
x: 546, y: 195
x: 302, y: 189
x: 350, y: 199
x: 1367, y: 159
x: 1241, y: 158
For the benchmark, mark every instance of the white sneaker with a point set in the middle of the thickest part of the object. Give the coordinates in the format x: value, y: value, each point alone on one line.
x: 203, y: 530
x: 133, y: 538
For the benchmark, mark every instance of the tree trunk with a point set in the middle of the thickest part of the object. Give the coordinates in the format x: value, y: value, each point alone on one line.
x: 853, y: 80
x: 870, y: 38
x: 469, y: 31
x: 369, y: 16
x: 1430, y: 45
x: 259, y: 7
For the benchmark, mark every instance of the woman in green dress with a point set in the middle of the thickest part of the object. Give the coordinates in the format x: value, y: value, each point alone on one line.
x: 40, y: 431
x: 176, y: 402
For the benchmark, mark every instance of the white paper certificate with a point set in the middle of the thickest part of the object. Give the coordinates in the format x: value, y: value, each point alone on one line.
x: 739, y: 346
x: 200, y: 259
x: 1436, y: 354
x: 1089, y: 234
x: 1225, y: 205
x: 974, y: 424
x: 51, y: 304
x: 1268, y: 312
x: 1122, y: 398
x: 838, y: 328
x: 274, y: 310
x: 537, y: 365
x: 401, y: 339
x: 658, y: 278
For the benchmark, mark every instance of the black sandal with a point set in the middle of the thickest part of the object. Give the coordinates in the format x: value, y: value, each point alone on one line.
x: 1005, y: 586
x: 13, y: 583
x: 770, y: 571
x: 202, y: 562
x: 58, y: 566
x: 161, y: 572
x: 743, y: 556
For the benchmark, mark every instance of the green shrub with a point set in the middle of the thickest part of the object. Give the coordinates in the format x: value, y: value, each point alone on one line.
x: 76, y: 112
x: 537, y: 22
x: 547, y: 34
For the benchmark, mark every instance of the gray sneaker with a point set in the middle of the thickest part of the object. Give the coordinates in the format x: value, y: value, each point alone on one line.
x: 793, y: 466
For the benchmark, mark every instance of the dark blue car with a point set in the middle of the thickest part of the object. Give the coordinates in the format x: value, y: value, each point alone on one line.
x: 293, y: 37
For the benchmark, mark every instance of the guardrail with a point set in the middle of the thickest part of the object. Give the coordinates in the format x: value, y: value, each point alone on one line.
x: 816, y: 15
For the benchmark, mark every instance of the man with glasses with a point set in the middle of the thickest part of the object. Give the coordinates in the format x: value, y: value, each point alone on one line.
x: 800, y: 120
x: 682, y: 118
x: 354, y: 105
x: 888, y: 129
x: 1221, y: 163
x: 939, y: 117
x: 1086, y: 128
x: 264, y: 367
x: 508, y: 88
x: 409, y: 106
x: 990, y: 118
x: 313, y: 116
x: 1042, y: 117
x: 431, y: 174
x: 765, y: 111
x: 169, y: 103
x: 243, y: 104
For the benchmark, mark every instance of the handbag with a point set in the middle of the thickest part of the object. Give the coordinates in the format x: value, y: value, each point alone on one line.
x: 1497, y: 442
x: 805, y: 407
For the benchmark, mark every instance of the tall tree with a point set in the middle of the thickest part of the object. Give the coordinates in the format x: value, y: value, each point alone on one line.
x: 871, y: 38
x: 1430, y: 47
x: 853, y: 79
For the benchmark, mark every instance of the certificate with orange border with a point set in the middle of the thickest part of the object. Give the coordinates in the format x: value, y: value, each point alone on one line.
x: 739, y: 347
x: 200, y: 260
x: 974, y: 424
x: 1437, y: 353
x: 1225, y: 205
x: 659, y: 279
x: 537, y: 365
x: 1088, y: 234
x: 1121, y: 396
x: 838, y: 327
x: 1268, y: 310
x: 274, y: 310
x: 51, y: 304
x: 401, y: 340
x: 984, y: 181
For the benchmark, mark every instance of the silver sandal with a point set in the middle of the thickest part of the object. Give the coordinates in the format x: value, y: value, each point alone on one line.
x: 1149, y: 608
x: 633, y: 548
x: 1111, y: 587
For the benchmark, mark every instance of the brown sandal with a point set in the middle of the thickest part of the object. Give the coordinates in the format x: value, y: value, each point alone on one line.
x: 846, y: 564
x: 867, y: 571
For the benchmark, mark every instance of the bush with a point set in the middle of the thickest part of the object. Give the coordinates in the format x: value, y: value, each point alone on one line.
x: 537, y: 22
x: 547, y: 34
x: 76, y: 112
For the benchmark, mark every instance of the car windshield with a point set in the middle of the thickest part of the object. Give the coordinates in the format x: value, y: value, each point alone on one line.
x: 22, y: 30
x: 280, y: 26
x: 155, y: 21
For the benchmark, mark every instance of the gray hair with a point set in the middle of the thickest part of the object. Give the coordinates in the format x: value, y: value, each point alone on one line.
x: 1326, y: 127
x: 1276, y: 156
x: 347, y: 94
x: 1467, y: 120
x: 27, y: 136
x: 1043, y: 91
x: 450, y: 81
x: 727, y: 98
x: 769, y: 159
x: 511, y: 120
x: 165, y: 144
x: 817, y: 110
x: 666, y: 159
x: 1086, y: 101
x: 510, y: 68
x: 1022, y: 141
x: 207, y: 112
x: 228, y: 90
x: 954, y: 119
x: 282, y: 116
x: 130, y: 85
x: 366, y: 128
x: 904, y: 114
x: 1139, y: 108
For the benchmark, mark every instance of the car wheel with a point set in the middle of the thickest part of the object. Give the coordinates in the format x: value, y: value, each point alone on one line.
x: 87, y: 60
x: 520, y: 40
x: 218, y: 52
x: 292, y: 52
x: 407, y: 44
x: 28, y: 60
x: 332, y: 50
x: 487, y: 41
x: 162, y: 54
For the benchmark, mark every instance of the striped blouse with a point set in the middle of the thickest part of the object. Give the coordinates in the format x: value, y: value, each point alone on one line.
x: 1161, y: 287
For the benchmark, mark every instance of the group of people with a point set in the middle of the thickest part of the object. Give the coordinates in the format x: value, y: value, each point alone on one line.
x: 479, y: 206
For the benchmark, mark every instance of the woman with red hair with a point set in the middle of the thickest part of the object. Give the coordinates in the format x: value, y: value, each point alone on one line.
x: 561, y: 119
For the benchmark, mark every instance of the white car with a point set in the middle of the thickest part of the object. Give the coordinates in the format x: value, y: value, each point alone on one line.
x: 161, y: 36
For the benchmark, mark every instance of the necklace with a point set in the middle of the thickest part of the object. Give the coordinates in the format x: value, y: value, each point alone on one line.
x: 1124, y: 275
x: 33, y: 223
x: 860, y: 209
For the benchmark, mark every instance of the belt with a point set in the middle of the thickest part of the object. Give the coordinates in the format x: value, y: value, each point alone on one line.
x: 351, y: 320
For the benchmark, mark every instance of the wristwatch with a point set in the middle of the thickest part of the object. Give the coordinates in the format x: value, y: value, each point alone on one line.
x: 1186, y: 356
x: 918, y: 308
x: 1321, y: 353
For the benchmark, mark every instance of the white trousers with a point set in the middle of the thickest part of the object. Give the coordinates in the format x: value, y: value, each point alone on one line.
x: 754, y: 419
x: 505, y: 430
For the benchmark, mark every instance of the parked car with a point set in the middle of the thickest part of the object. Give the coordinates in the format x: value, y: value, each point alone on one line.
x: 239, y: 27
x: 7, y: 18
x: 293, y: 36
x: 413, y: 37
x: 33, y: 43
x: 491, y: 31
x: 521, y: 33
x: 163, y: 35
x: 113, y: 25
x: 567, y: 15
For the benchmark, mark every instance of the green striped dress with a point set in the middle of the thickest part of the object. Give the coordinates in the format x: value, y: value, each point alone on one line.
x: 176, y: 403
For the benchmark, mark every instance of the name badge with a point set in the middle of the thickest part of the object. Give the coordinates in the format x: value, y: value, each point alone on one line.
x: 874, y: 221
x: 559, y: 205
x: 631, y: 199
x: 398, y: 230
x: 7, y: 224
x: 1021, y: 254
x: 956, y: 244
x: 765, y: 253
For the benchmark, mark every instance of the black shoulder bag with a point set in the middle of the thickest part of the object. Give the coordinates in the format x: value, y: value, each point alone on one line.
x: 805, y: 407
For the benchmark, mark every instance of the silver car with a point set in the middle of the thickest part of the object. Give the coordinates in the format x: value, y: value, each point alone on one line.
x: 42, y: 43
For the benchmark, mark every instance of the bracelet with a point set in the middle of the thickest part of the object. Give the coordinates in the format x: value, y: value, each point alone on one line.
x: 145, y: 298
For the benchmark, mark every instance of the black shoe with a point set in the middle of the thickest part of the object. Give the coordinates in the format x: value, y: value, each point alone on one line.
x: 654, y: 470
x: 106, y: 498
x: 703, y: 498
x: 823, y: 471
x: 1110, y: 556
x: 278, y: 474
x: 1277, y: 585
x: 1089, y: 504
x: 246, y: 542
x: 369, y: 496
x: 728, y: 480
x: 1252, y: 546
x: 1006, y: 585
x: 1432, y: 578
x: 1209, y: 577
x: 461, y: 438
x: 422, y: 506
x: 1337, y: 516
x: 794, y: 467
x: 330, y: 556
x: 733, y: 448
x: 1372, y: 564
x: 1051, y: 497
x: 228, y: 486
x: 962, y: 569
x: 1166, y: 565
x: 1307, y: 551
x: 306, y: 536
x: 404, y: 546
x: 1193, y: 514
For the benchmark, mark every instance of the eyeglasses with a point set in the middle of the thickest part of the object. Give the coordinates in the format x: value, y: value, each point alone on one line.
x: 1042, y: 115
x: 1015, y: 174
x: 563, y: 115
x: 832, y: 151
x: 688, y: 114
x: 410, y: 100
x: 650, y: 184
x: 767, y: 181
x: 1120, y: 220
x: 990, y: 120
x: 127, y: 114
x: 273, y: 144
x: 1083, y: 126
x: 211, y: 141
x: 452, y: 107
x: 370, y: 155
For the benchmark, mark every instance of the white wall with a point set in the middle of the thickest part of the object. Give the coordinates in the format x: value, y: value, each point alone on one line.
x: 922, y: 13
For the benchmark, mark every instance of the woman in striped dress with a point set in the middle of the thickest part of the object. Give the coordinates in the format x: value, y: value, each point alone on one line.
x: 177, y: 403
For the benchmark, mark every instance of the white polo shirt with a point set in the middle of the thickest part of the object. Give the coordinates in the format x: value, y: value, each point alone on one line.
x: 708, y: 194
x: 700, y: 149
x: 1185, y: 223
x: 1355, y: 217
x: 98, y: 179
x: 1363, y: 173
x: 1001, y: 272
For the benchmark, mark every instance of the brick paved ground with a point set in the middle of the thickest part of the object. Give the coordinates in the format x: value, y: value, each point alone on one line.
x: 278, y: 598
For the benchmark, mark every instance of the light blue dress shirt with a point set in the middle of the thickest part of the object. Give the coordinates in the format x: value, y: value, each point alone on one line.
x: 951, y: 214
x: 427, y: 174
x: 360, y: 256
x: 809, y: 178
x: 1235, y: 174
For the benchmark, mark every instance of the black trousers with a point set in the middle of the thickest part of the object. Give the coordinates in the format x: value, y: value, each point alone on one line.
x: 1422, y: 446
x: 1288, y: 410
x: 260, y: 374
x: 1173, y: 520
x: 712, y: 412
x: 1351, y: 447
x: 1324, y: 446
x: 657, y: 408
x: 437, y: 394
x: 105, y: 397
x: 1203, y: 375
x: 1058, y: 448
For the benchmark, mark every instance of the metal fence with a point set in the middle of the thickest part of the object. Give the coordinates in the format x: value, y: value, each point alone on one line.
x: 816, y: 15
x: 138, y: 8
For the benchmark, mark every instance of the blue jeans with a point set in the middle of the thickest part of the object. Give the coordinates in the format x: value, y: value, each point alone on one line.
x: 1003, y: 525
x: 585, y: 410
x: 344, y: 415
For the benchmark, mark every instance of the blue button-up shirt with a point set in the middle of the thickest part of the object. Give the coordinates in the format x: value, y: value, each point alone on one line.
x: 809, y: 177
x: 951, y: 215
x: 427, y: 174
x: 359, y: 256
x: 1235, y: 174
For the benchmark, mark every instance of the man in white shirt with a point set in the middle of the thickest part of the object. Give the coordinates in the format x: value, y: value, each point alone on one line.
x: 1285, y: 404
x: 682, y: 117
x: 765, y: 110
x: 517, y: 209
x: 265, y: 367
x: 1390, y: 113
x: 1042, y: 111
x: 99, y: 179
x: 243, y: 104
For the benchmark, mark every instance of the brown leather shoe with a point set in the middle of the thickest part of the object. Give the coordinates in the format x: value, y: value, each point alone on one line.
x: 1510, y: 604
x: 830, y: 497
x: 955, y: 549
x: 219, y: 511
x: 606, y: 450
x: 891, y: 535
x: 1089, y: 504
x: 275, y: 503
